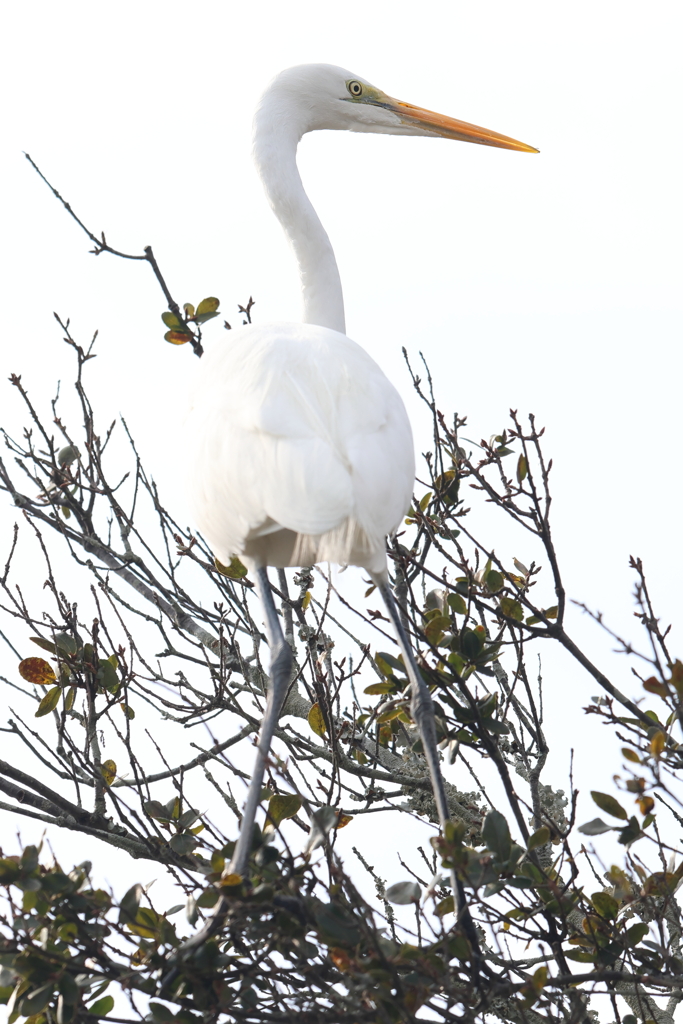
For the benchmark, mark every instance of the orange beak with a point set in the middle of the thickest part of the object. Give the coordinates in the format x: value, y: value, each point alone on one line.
x: 450, y: 128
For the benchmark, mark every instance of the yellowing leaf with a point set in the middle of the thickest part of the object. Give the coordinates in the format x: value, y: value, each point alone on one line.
x: 235, y: 571
x: 128, y: 711
x: 630, y: 755
x: 37, y: 671
x: 70, y: 698
x: 511, y: 608
x: 375, y: 688
x: 316, y: 720
x: 283, y: 805
x: 645, y: 804
x: 231, y: 879
x: 387, y: 716
x: 344, y: 819
x: 446, y: 906
x: 306, y: 601
x: 176, y: 337
x: 653, y: 685
x: 49, y: 702
x: 657, y: 743
x: 108, y: 769
x: 209, y: 305
x: 540, y: 837
x: 522, y: 468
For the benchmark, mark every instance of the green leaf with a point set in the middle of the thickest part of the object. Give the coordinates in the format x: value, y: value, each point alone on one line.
x: 235, y: 571
x: 631, y: 832
x: 107, y: 676
x: 494, y: 581
x: 580, y: 957
x: 522, y: 468
x: 389, y: 661
x: 209, y: 305
x: 161, y: 1012
x: 67, y: 644
x: 182, y: 844
x: 511, y: 608
x: 49, y: 702
x: 540, y: 837
x: 128, y: 907
x: 127, y: 710
x: 37, y: 1000
x: 471, y: 644
x: 457, y: 604
x: 607, y: 803
x: 436, y: 627
x: 636, y: 933
x: 67, y: 455
x: 102, y: 1007
x: 595, y: 827
x: 496, y: 835
x: 156, y: 809
x: 605, y: 905
x: 171, y: 320
x: 336, y: 927
x: 283, y: 805
x: 403, y: 893
x: 45, y: 644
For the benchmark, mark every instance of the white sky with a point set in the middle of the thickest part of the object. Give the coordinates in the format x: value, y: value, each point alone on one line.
x: 547, y: 283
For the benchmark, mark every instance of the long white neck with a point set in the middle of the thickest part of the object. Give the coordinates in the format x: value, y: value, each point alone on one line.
x: 277, y: 131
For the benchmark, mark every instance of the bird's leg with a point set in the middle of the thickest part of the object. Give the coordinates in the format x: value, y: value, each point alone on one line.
x: 280, y: 671
x: 423, y: 713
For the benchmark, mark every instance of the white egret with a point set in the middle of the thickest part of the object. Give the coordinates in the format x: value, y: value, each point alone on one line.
x: 301, y: 449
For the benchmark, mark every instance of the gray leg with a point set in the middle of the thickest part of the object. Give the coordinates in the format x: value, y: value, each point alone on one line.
x: 422, y: 711
x: 280, y: 672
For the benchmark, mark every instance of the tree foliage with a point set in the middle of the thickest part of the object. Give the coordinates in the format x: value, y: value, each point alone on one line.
x: 143, y: 626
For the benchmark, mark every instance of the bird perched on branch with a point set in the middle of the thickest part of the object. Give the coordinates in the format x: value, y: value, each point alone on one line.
x: 301, y: 447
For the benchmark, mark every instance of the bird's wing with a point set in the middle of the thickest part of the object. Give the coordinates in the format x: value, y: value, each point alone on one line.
x: 295, y: 425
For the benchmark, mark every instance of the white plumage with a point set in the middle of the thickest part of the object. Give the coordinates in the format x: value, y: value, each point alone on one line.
x: 302, y: 449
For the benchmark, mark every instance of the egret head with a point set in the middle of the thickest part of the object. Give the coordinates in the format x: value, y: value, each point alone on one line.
x: 321, y: 96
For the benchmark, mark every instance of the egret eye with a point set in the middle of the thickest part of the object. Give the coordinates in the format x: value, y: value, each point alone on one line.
x: 355, y: 88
